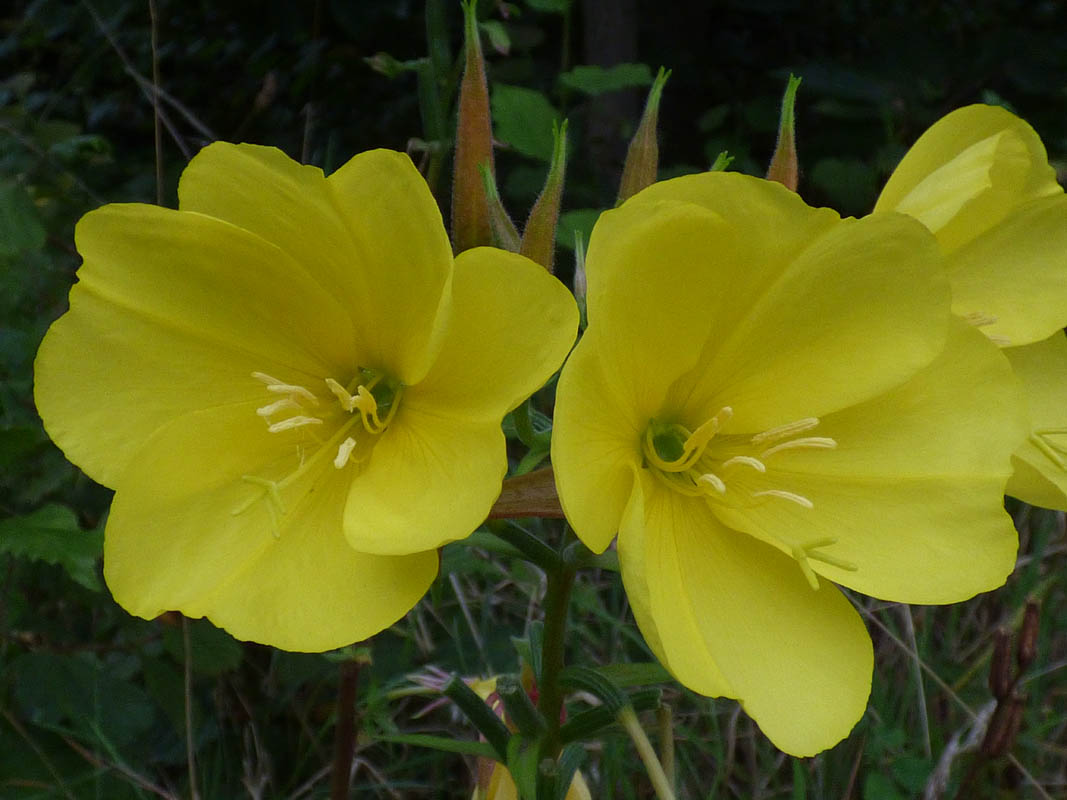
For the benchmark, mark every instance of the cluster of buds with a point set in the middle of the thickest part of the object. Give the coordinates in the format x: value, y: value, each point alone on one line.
x: 1004, y: 681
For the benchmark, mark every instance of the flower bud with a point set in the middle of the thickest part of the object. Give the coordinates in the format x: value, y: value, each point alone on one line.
x: 642, y: 159
x: 1027, y: 650
x: 1000, y: 667
x: 474, y: 145
x: 783, y: 167
x: 539, y: 236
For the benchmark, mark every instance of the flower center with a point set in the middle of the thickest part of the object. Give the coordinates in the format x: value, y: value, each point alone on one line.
x: 368, y: 402
x: 732, y: 470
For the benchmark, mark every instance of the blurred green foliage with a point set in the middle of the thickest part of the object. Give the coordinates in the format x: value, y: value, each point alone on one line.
x: 94, y: 702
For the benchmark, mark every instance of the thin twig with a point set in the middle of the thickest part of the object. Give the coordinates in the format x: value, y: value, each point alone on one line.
x: 13, y: 721
x: 920, y: 689
x: 345, y: 734
x: 99, y: 762
x: 190, y: 750
x: 952, y: 695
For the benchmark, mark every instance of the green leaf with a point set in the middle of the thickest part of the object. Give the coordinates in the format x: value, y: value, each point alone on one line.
x: 523, y: 118
x: 462, y: 746
x: 21, y: 228
x: 636, y: 674
x: 213, y: 650
x: 52, y: 534
x: 54, y: 690
x: 499, y: 39
x: 597, y: 80
x: 878, y: 787
x: 523, y: 760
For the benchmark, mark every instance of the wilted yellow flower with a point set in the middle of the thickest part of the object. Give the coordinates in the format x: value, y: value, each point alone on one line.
x: 770, y: 400
x: 980, y: 180
x: 294, y: 391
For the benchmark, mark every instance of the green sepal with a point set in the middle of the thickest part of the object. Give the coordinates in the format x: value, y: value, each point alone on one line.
x: 520, y: 709
x: 480, y: 715
x: 590, y: 723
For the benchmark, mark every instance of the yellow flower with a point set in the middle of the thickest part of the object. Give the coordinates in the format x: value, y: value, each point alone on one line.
x: 293, y: 389
x: 980, y: 180
x: 500, y: 786
x: 770, y: 400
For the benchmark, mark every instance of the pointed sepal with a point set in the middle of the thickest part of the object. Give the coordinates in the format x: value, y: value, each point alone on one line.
x: 505, y: 234
x: 783, y: 168
x: 474, y: 144
x: 539, y: 235
x: 642, y: 159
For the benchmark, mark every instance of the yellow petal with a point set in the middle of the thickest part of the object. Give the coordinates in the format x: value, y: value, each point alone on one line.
x: 172, y: 313
x: 430, y: 480
x: 1016, y: 273
x: 855, y: 313
x: 655, y: 275
x: 799, y: 660
x: 371, y: 232
x: 512, y: 325
x: 1040, y: 475
x: 967, y: 172
x: 912, y: 494
x: 188, y: 532
x: 596, y: 445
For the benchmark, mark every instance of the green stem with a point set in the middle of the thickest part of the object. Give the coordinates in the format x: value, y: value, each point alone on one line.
x: 660, y: 783
x: 557, y: 597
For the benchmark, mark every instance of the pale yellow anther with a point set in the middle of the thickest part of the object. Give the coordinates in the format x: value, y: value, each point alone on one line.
x: 344, y: 452
x: 747, y: 461
x: 792, y: 497
x: 819, y: 442
x: 714, y: 481
x: 979, y: 319
x: 348, y: 402
x: 293, y: 422
x: 785, y: 431
x: 278, y: 387
x: 285, y: 404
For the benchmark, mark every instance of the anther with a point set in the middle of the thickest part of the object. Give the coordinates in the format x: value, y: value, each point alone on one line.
x: 823, y: 442
x: 278, y: 387
x: 278, y: 405
x: 785, y: 431
x: 293, y: 422
x: 792, y: 497
x: 344, y: 452
x: 714, y: 481
x: 748, y: 461
x: 980, y: 319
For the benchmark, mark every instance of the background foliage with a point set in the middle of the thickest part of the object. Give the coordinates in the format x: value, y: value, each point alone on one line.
x: 94, y: 702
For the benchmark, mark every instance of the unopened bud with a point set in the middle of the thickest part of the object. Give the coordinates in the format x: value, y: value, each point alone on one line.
x: 1003, y: 726
x: 783, y: 166
x: 1000, y: 666
x: 505, y: 236
x: 539, y: 235
x: 1027, y: 650
x: 474, y: 144
x: 642, y: 159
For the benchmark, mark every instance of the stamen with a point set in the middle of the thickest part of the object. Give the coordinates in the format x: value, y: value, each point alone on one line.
x: 748, y: 461
x: 344, y: 452
x: 823, y: 442
x: 293, y: 422
x: 348, y: 402
x: 278, y: 405
x: 714, y: 481
x: 792, y: 497
x: 276, y: 386
x: 699, y: 438
x: 785, y: 431
x: 805, y: 552
x: 999, y: 341
x: 801, y: 558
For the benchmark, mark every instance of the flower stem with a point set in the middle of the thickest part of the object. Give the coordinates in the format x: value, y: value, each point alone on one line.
x: 345, y: 735
x: 660, y: 783
x: 557, y: 597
